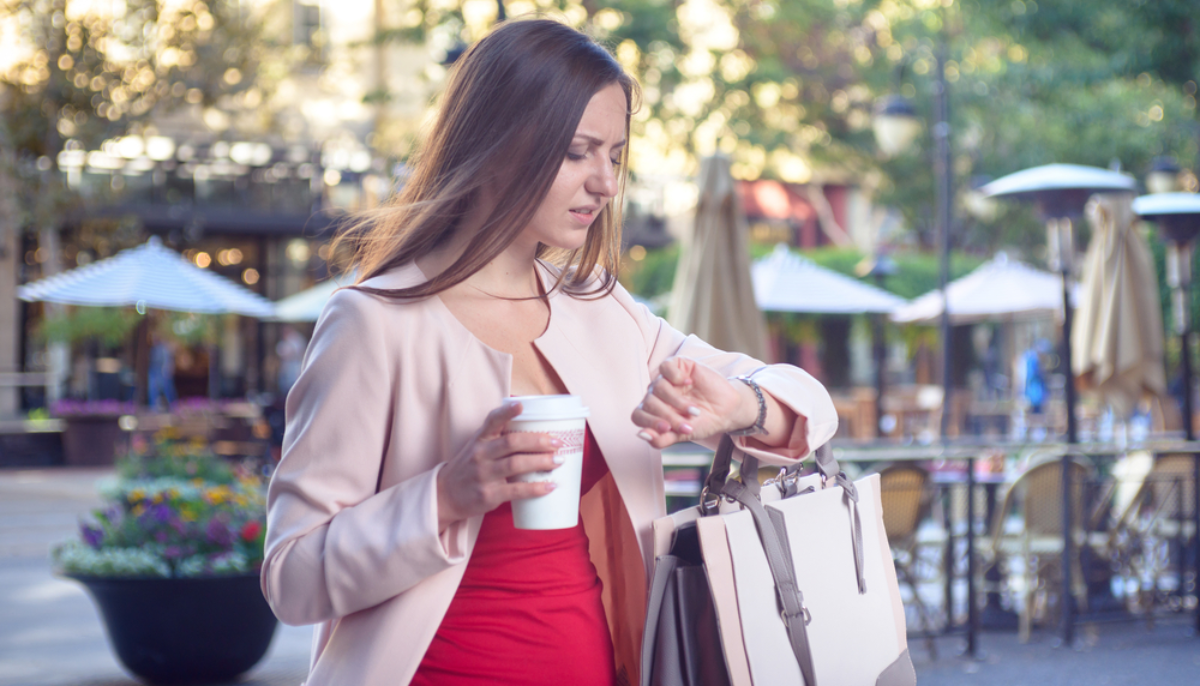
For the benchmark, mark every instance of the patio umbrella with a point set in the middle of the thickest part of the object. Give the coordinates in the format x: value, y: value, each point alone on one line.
x: 786, y: 282
x: 155, y: 277
x: 1117, y: 341
x: 306, y: 306
x: 713, y: 296
x: 1000, y: 289
x: 148, y: 276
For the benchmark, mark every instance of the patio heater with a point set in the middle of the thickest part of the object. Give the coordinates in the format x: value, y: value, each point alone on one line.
x: 1060, y: 191
x: 1178, y: 216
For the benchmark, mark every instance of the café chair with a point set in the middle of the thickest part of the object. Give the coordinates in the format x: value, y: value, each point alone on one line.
x: 1159, y: 514
x: 906, y: 498
x: 1038, y: 543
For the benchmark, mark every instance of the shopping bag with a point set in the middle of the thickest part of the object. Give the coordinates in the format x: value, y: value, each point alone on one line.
x: 800, y: 581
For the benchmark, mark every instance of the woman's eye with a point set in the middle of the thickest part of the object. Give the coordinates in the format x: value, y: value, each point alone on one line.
x: 616, y: 162
x: 575, y: 156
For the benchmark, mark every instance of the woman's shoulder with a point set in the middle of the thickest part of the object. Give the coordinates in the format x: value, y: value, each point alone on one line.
x: 367, y: 300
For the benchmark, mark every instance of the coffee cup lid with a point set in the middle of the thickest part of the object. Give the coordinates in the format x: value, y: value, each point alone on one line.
x: 549, y: 407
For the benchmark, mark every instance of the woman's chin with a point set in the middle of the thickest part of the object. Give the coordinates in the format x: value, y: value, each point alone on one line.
x: 573, y: 241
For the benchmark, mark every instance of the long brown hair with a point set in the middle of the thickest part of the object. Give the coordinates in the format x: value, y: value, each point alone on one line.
x: 507, y: 118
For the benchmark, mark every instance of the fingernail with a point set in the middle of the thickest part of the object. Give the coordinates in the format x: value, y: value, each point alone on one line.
x: 559, y: 459
x: 694, y: 411
x: 685, y: 428
x: 555, y: 443
x: 550, y: 486
x: 645, y: 436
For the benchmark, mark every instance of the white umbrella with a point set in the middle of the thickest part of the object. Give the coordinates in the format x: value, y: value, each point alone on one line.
x: 786, y: 282
x: 306, y: 306
x: 148, y: 276
x: 1001, y: 288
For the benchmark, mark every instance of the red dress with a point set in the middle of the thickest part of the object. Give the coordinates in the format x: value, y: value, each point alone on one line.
x: 528, y: 610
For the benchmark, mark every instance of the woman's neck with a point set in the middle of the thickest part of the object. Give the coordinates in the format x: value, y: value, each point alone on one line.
x: 511, y: 274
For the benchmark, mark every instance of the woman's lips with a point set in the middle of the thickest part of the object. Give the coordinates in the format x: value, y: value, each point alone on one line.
x: 584, y: 217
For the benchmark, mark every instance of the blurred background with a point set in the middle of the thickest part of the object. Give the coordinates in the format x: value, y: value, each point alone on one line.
x: 830, y: 172
x: 240, y: 131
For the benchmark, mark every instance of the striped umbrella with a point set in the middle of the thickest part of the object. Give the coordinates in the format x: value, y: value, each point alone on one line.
x: 148, y: 276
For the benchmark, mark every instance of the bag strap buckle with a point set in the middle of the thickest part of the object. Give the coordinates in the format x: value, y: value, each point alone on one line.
x: 709, y: 502
x: 804, y: 613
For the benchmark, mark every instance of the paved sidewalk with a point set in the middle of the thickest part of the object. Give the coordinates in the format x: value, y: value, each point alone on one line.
x: 51, y: 635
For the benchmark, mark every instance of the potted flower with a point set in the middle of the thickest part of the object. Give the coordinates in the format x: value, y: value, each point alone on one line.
x: 172, y: 561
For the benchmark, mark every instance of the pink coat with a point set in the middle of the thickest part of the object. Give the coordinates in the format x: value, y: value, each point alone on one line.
x: 390, y: 391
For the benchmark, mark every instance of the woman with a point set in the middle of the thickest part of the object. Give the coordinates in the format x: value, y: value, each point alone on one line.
x: 492, y: 275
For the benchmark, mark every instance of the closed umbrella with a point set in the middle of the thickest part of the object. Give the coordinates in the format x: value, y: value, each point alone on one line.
x: 713, y: 296
x: 1117, y: 341
x: 148, y: 276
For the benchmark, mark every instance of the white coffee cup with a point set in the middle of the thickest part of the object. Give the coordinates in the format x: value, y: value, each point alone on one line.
x: 565, y: 418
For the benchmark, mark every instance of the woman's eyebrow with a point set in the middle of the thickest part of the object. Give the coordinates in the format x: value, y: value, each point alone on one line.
x: 598, y: 141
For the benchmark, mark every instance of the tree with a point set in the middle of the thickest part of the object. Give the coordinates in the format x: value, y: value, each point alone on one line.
x: 787, y: 87
x: 79, y: 78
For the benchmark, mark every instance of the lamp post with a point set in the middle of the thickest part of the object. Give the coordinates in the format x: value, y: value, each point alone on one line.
x: 1060, y: 191
x: 1178, y: 216
x: 895, y: 127
x: 879, y: 268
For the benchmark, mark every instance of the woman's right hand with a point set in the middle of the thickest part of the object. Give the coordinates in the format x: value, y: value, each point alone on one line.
x: 476, y: 481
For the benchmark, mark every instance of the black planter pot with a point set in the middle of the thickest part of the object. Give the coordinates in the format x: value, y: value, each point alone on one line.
x: 185, y: 631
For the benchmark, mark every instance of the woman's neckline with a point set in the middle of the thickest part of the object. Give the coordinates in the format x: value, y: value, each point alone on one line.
x: 547, y: 296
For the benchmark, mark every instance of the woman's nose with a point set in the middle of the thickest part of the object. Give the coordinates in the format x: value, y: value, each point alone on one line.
x: 604, y: 180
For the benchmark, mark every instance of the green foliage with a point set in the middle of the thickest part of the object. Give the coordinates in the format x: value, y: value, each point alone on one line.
x: 175, y: 460
x: 87, y: 76
x: 916, y: 273
x: 653, y: 275
x: 189, y: 328
x: 111, y: 327
x: 771, y: 82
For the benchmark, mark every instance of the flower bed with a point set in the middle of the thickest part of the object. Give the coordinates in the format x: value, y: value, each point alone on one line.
x: 180, y: 512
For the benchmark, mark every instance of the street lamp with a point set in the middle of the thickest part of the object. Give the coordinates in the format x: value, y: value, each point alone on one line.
x: 1163, y: 176
x: 1060, y: 191
x: 895, y: 125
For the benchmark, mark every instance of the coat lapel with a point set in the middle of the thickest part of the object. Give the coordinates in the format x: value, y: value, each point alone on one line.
x: 597, y: 351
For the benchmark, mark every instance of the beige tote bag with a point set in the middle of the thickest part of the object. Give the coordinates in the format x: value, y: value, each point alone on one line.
x: 800, y: 575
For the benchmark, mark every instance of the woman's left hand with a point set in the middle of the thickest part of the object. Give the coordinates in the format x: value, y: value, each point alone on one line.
x: 691, y: 401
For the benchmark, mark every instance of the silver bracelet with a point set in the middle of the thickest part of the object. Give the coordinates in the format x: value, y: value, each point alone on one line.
x: 758, y: 426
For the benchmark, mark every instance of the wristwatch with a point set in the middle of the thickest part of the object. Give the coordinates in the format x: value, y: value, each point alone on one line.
x: 757, y: 427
